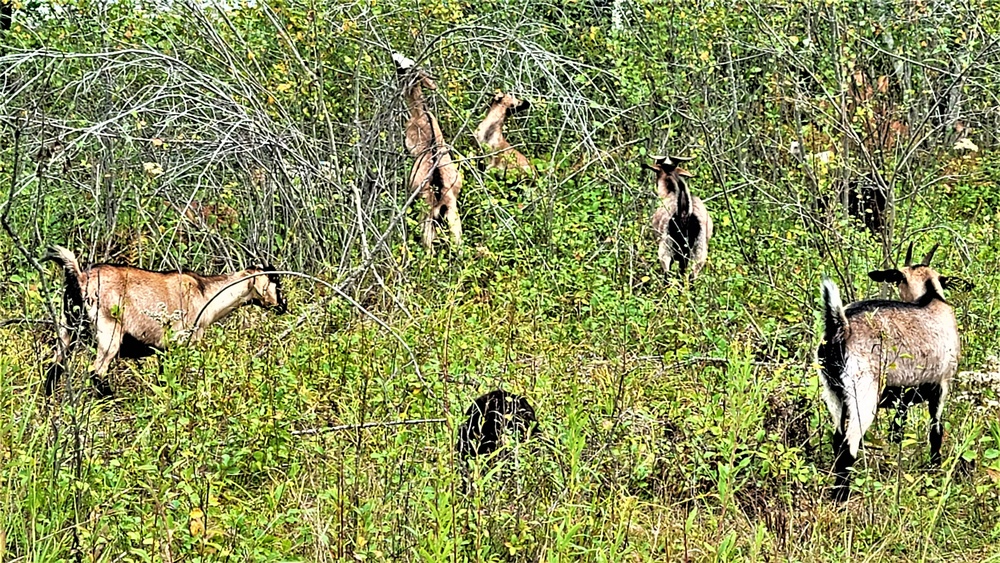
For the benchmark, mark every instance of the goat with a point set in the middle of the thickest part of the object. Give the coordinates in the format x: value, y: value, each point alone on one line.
x: 866, y: 201
x: 489, y: 135
x: 491, y: 418
x: 912, y: 344
x: 434, y: 174
x: 681, y: 222
x: 130, y: 309
x: 866, y: 198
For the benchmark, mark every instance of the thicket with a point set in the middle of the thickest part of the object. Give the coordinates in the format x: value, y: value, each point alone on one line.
x: 684, y: 421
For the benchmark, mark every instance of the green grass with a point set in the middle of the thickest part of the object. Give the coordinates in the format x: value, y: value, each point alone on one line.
x: 680, y: 422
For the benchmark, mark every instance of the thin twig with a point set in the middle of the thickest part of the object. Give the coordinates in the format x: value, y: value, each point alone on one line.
x: 311, y: 431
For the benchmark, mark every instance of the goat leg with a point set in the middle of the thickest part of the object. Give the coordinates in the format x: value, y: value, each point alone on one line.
x: 935, y: 402
x: 454, y: 224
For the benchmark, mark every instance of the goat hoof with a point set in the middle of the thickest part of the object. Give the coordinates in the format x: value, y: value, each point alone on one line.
x: 101, y: 389
x: 840, y: 493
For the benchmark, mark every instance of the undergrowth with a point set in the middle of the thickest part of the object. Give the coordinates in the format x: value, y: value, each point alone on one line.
x: 681, y: 421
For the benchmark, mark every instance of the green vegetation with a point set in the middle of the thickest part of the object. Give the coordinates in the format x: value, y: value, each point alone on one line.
x: 681, y: 420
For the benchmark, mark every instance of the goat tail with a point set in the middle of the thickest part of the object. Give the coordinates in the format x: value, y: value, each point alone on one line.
x: 834, y: 319
x: 73, y: 295
x: 65, y: 258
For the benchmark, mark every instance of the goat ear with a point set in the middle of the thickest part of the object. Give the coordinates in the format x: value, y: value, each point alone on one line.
x: 956, y: 284
x: 684, y: 173
x: 909, y: 255
x: 894, y: 277
x: 403, y: 63
x: 653, y: 167
x: 521, y: 106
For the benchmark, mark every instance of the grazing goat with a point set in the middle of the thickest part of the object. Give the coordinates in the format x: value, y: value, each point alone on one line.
x: 434, y: 174
x: 867, y: 200
x: 898, y: 345
x: 492, y: 417
x: 489, y: 135
x: 681, y: 222
x: 130, y: 309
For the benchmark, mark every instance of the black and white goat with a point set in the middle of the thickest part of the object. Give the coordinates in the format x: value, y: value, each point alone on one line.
x: 681, y: 222
x: 875, y: 349
x: 130, y: 310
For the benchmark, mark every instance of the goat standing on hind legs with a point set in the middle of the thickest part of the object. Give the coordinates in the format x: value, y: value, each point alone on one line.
x: 434, y: 174
x: 130, y: 308
x: 489, y: 135
x: 681, y: 222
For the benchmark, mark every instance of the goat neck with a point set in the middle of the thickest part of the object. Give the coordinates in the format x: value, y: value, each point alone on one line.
x: 490, y: 131
x: 415, y: 101
x: 668, y: 184
x: 224, y: 300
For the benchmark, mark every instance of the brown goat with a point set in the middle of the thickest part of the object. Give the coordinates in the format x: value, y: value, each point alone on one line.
x: 434, y: 174
x: 912, y: 282
x: 489, y: 135
x: 135, y: 307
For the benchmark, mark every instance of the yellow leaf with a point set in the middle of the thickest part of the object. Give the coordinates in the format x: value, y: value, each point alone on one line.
x: 152, y: 169
x: 197, y: 522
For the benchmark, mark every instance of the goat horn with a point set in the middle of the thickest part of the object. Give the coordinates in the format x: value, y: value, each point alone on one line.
x: 402, y: 61
x: 909, y: 255
x: 661, y: 159
x: 930, y: 255
x: 677, y: 159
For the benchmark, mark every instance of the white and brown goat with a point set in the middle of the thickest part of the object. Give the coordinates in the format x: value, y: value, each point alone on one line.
x: 489, y: 135
x: 875, y: 349
x: 434, y: 174
x: 681, y: 221
x: 130, y: 310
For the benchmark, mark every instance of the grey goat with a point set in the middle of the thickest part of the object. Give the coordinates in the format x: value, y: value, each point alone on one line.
x: 874, y: 349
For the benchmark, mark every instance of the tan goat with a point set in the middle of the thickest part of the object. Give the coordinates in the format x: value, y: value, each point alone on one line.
x: 874, y: 349
x: 434, y: 173
x: 134, y: 308
x: 489, y: 135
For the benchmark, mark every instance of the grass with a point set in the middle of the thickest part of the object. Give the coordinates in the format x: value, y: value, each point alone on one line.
x: 681, y: 422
